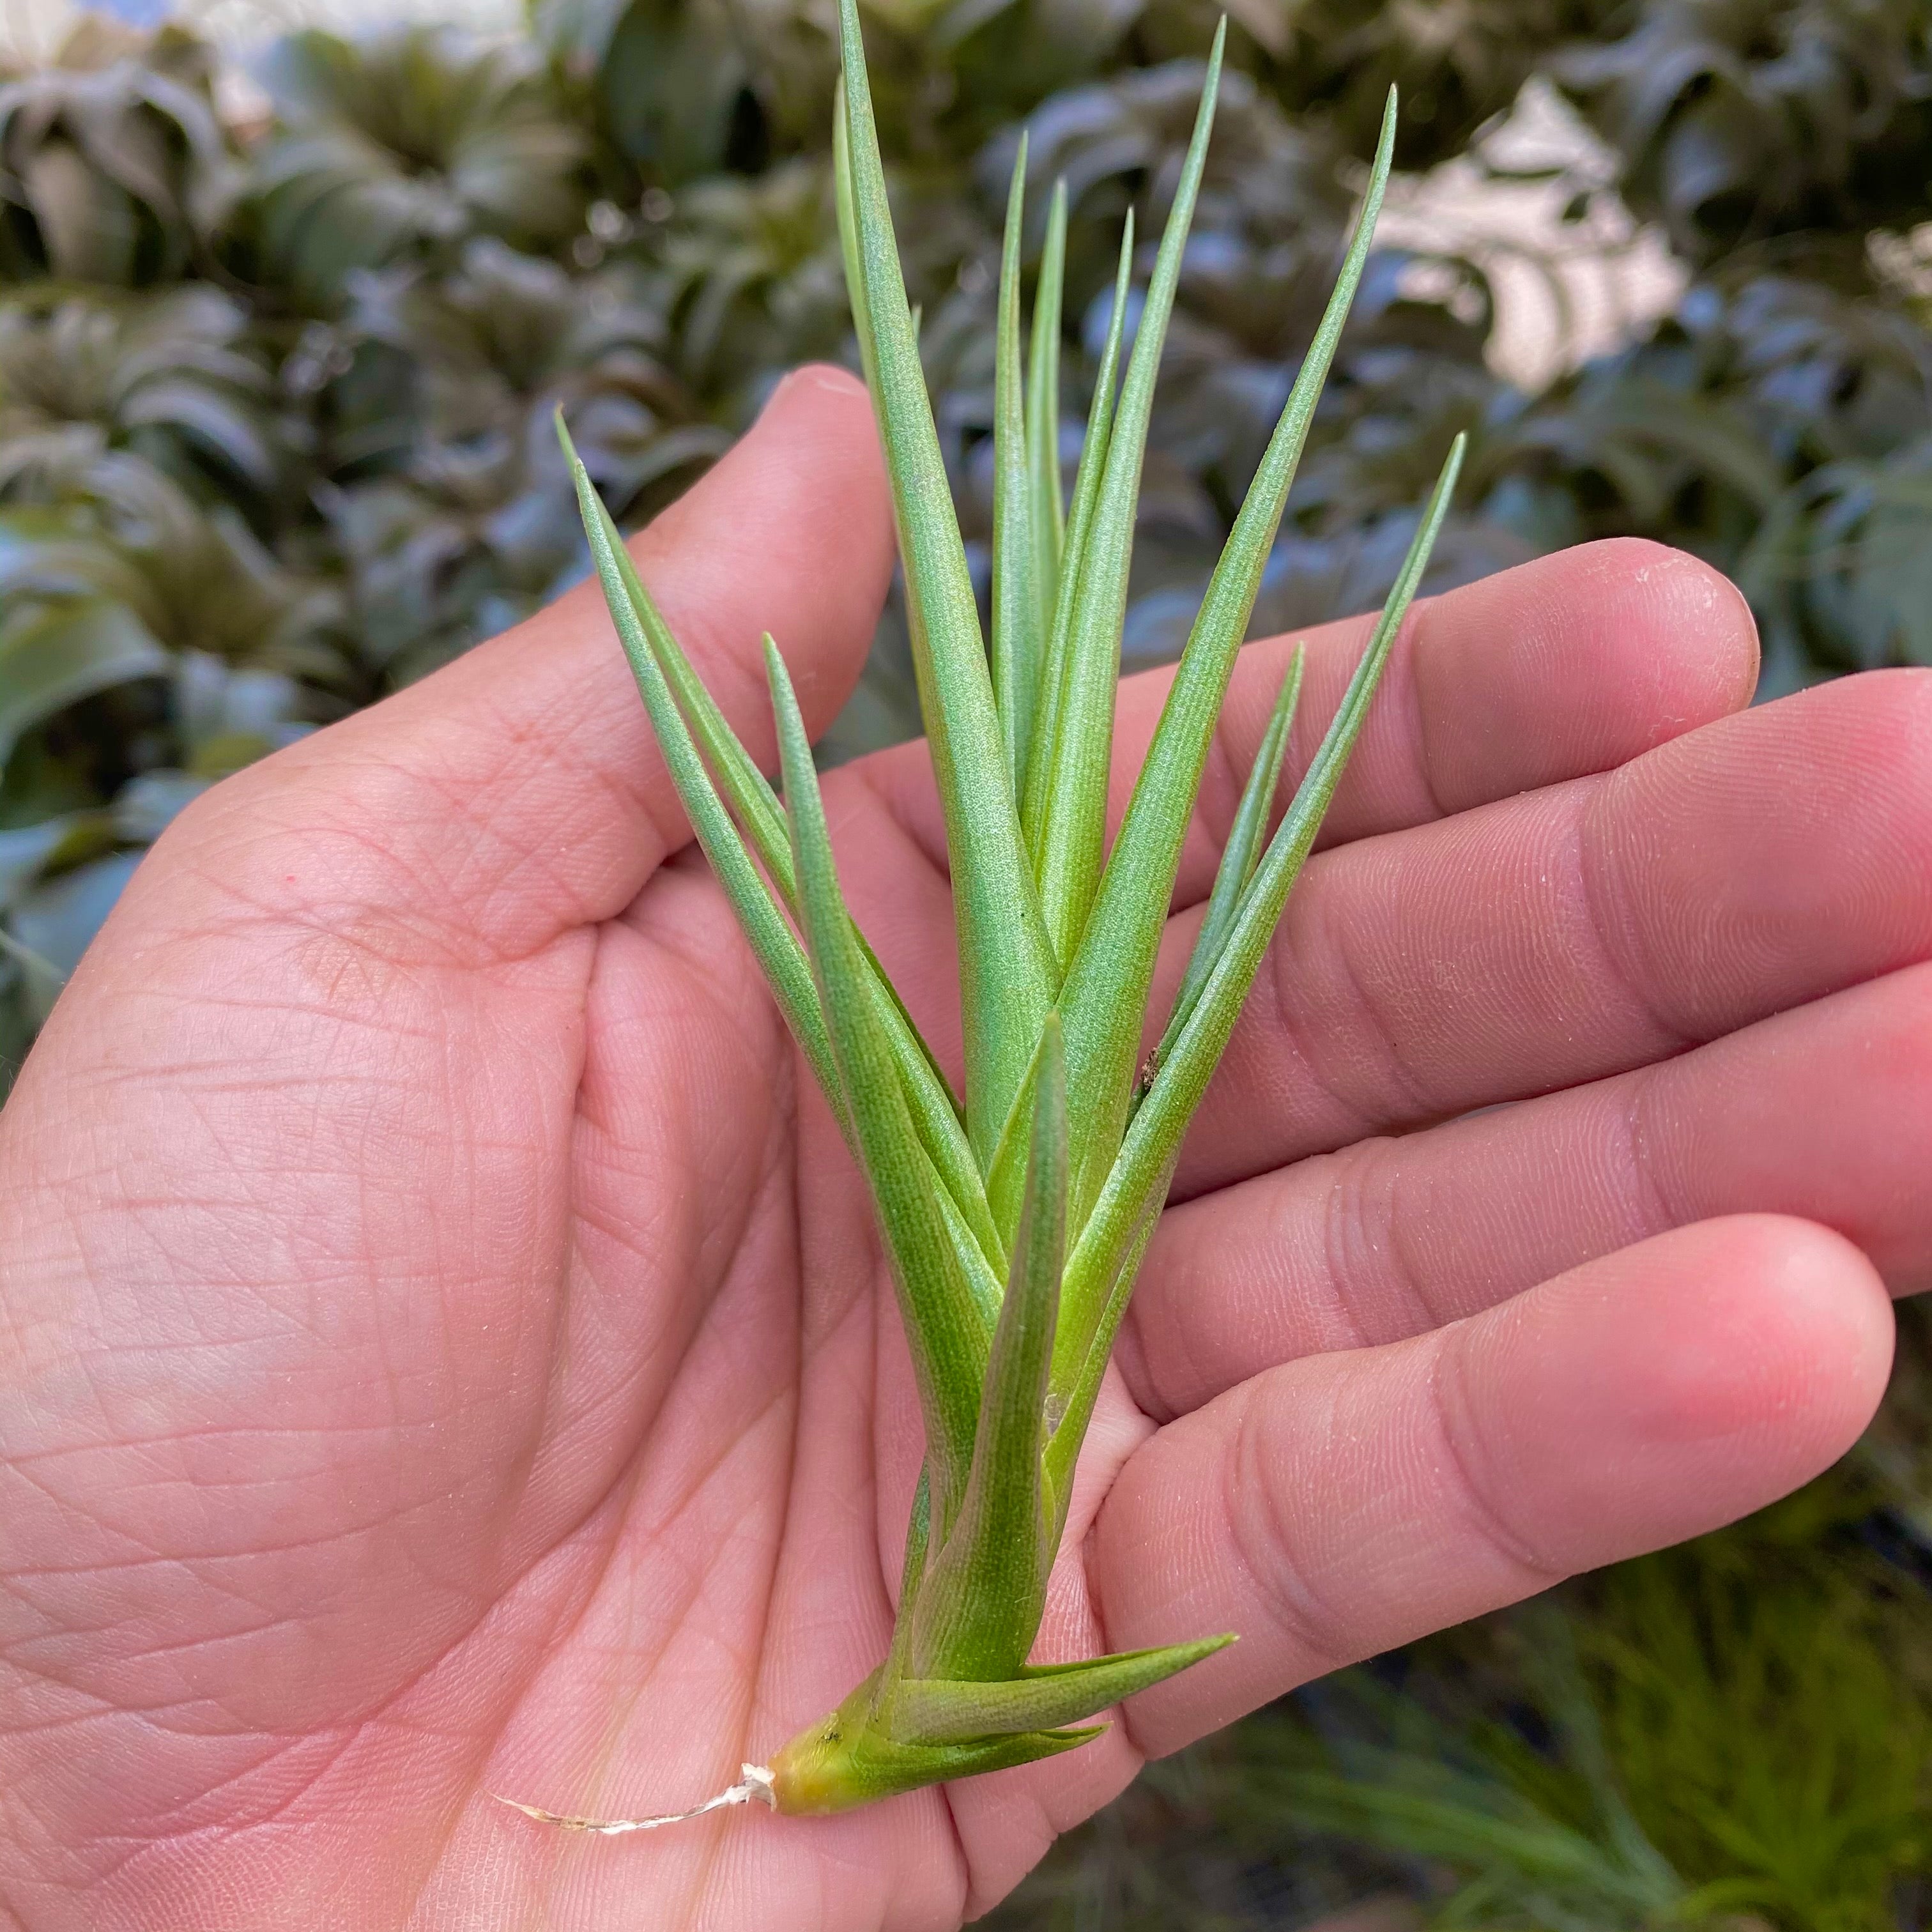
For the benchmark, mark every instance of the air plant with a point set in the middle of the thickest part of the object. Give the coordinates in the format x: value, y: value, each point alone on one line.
x: 1014, y: 1224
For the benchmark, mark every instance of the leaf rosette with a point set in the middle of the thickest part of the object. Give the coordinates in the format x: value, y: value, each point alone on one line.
x: 1013, y: 1217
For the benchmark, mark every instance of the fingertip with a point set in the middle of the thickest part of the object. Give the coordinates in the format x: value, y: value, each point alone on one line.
x: 1703, y: 1373
x: 828, y: 379
x: 1816, y: 1314
x: 821, y: 403
x: 1688, y: 622
x: 1576, y: 663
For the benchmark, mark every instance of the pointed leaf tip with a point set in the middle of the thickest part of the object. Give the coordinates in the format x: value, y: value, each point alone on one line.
x: 1109, y: 976
x: 1041, y: 1698
x: 1073, y: 822
x: 1007, y: 964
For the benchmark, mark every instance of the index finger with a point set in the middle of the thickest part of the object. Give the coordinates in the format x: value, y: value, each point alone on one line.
x: 1573, y: 663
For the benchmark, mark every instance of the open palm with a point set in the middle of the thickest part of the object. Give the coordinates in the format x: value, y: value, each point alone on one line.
x: 444, y: 1350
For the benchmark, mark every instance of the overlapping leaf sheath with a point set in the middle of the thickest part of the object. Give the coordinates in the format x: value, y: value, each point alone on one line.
x: 1013, y: 1224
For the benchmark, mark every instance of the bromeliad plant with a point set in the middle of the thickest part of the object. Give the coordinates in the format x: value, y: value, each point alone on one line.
x: 1014, y: 1224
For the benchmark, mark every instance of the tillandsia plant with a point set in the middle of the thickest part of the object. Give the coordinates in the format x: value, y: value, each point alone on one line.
x: 1014, y: 1223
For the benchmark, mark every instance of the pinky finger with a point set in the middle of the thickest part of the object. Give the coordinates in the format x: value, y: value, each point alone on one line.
x: 1340, y: 1505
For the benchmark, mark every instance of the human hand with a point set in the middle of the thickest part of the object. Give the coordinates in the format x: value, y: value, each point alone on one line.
x: 444, y: 1349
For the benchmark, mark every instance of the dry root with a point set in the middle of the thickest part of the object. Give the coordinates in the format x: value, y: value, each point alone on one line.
x: 754, y: 1786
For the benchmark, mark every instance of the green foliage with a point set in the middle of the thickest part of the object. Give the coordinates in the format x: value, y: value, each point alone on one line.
x: 1742, y: 1727
x: 171, y: 377
x: 412, y: 141
x: 114, y: 167
x: 1742, y: 118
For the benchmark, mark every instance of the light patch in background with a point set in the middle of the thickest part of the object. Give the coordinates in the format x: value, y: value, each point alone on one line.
x: 1572, y: 274
x: 30, y: 30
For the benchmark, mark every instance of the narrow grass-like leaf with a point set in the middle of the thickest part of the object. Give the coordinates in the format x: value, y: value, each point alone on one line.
x: 1145, y: 1164
x: 947, y: 1296
x: 912, y: 1579
x: 848, y: 238
x: 747, y: 789
x: 1016, y: 668
x: 1087, y: 479
x: 1048, y: 512
x: 771, y: 941
x: 762, y: 818
x: 1107, y: 979
x: 1076, y: 1382
x: 977, y: 1617
x: 1240, y: 857
x: 1042, y: 1697
x: 1074, y: 827
x: 1007, y: 972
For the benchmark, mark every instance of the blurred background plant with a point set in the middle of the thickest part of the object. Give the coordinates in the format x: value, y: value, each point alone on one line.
x: 280, y: 339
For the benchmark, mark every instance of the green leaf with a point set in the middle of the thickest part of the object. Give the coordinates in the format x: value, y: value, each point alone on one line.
x: 1090, y: 1303
x: 1070, y: 1406
x: 980, y: 1610
x: 848, y: 240
x: 1007, y: 973
x: 54, y: 654
x: 912, y: 1579
x: 1042, y: 1697
x: 1016, y: 648
x: 762, y: 819
x: 771, y: 941
x: 948, y: 1297
x: 1047, y: 513
x: 1086, y: 493
x: 1073, y: 830
x: 1239, y: 857
x: 1106, y: 993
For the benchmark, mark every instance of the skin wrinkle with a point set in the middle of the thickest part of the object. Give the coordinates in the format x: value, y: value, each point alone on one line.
x: 629, y: 1698
x: 352, y: 1533
x: 1652, y: 1210
x: 1284, y: 1026
x: 417, y: 889
x: 1250, y: 1507
x: 1459, y: 1431
x: 637, y: 1671
x: 1345, y: 1233
x: 149, y: 1845
x: 494, y: 818
x: 488, y: 815
x: 1588, y: 799
x: 1406, y: 1272
x: 1415, y: 715
x: 1413, y: 1101
x: 338, y: 1746
x: 1568, y: 1152
x: 1588, y: 859
x: 578, y: 1218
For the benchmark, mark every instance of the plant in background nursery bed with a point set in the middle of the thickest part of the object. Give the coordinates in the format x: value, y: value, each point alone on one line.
x: 1014, y: 1226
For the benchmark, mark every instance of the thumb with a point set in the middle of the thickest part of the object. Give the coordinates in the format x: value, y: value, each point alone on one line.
x: 518, y: 791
